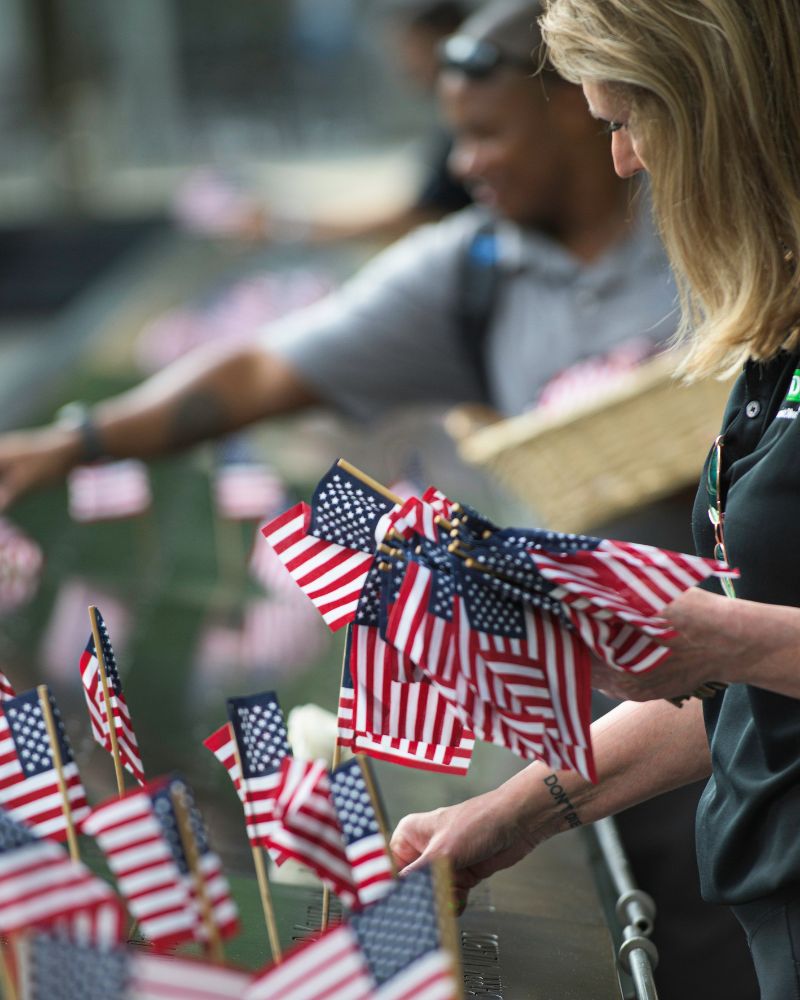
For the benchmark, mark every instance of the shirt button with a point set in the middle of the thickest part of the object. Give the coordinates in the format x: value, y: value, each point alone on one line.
x: 753, y: 408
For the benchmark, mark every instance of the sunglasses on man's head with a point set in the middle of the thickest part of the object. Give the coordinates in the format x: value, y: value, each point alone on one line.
x: 477, y: 58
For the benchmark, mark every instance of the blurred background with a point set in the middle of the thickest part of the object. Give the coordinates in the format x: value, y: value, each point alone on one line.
x: 133, y: 131
x: 104, y: 105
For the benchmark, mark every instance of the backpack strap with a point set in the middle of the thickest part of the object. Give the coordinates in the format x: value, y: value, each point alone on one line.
x: 478, y: 280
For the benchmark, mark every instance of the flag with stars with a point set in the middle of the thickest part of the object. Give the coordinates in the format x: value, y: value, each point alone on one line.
x: 221, y: 744
x: 40, y: 885
x: 430, y: 622
x: 329, y: 965
x: 53, y: 967
x: 139, y: 836
x: 95, y: 702
x: 396, y: 715
x: 329, y: 574
x: 529, y: 667
x: 365, y: 846
x: 29, y: 787
x: 209, y: 866
x: 310, y: 829
x: 401, y: 939
x: 260, y: 731
x: 346, y: 511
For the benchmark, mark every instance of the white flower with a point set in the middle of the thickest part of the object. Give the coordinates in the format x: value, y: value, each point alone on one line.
x: 312, y: 733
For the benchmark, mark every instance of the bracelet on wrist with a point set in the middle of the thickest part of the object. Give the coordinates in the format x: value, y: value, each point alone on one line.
x: 78, y: 417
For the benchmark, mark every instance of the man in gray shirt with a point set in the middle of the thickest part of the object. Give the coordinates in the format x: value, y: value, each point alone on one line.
x: 577, y: 271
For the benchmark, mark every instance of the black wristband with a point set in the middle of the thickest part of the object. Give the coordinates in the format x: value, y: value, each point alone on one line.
x: 78, y: 417
x: 91, y: 442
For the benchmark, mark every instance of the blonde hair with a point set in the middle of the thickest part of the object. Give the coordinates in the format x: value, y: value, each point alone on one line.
x: 714, y: 92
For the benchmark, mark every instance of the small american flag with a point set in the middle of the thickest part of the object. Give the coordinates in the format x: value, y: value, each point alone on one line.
x: 328, y: 547
x: 365, y: 845
x: 102, y: 924
x: 329, y: 574
x: 330, y: 966
x: 403, y: 722
x: 29, y: 787
x: 221, y: 744
x: 95, y: 702
x: 175, y: 977
x: 260, y: 730
x: 267, y: 569
x: 139, y: 835
x: 305, y: 811
x: 398, y: 716
x: 401, y: 940
x: 532, y: 669
x: 345, y: 511
x: 6, y: 687
x: 21, y: 562
x: 53, y: 967
x: 108, y: 491
x: 215, y: 884
x: 512, y: 672
x: 41, y: 885
x: 281, y: 635
x: 244, y: 488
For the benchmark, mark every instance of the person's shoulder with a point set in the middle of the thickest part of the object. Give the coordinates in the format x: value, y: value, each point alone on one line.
x: 445, y: 238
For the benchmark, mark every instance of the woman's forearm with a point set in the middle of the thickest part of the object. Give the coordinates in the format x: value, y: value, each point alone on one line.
x: 640, y: 751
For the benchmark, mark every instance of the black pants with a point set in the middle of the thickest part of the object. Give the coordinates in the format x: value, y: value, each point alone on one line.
x: 772, y: 927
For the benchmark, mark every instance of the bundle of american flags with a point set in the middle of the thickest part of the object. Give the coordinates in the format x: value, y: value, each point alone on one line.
x: 460, y: 628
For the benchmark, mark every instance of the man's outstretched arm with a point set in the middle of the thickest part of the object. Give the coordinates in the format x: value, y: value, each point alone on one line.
x: 210, y: 392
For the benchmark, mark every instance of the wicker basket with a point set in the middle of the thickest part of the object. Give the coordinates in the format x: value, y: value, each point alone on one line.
x: 644, y: 439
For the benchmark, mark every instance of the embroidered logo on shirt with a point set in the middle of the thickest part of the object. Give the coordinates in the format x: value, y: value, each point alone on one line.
x: 788, y: 412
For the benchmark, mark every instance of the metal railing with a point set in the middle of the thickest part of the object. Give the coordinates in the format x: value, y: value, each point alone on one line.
x: 635, y: 911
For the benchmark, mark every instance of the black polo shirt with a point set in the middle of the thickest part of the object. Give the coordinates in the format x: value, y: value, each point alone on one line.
x: 748, y: 820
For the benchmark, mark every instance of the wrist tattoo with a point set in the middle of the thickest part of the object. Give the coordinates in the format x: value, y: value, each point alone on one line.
x: 562, y: 799
x: 196, y: 417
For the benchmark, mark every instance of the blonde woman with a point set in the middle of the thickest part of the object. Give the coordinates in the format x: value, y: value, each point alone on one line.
x: 704, y: 95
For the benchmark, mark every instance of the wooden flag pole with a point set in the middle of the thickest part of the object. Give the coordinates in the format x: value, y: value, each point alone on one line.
x: 261, y: 869
x: 369, y: 481
x: 336, y: 757
x: 446, y: 918
x: 52, y: 735
x: 6, y: 978
x: 112, y: 726
x: 214, y: 942
x: 376, y: 806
